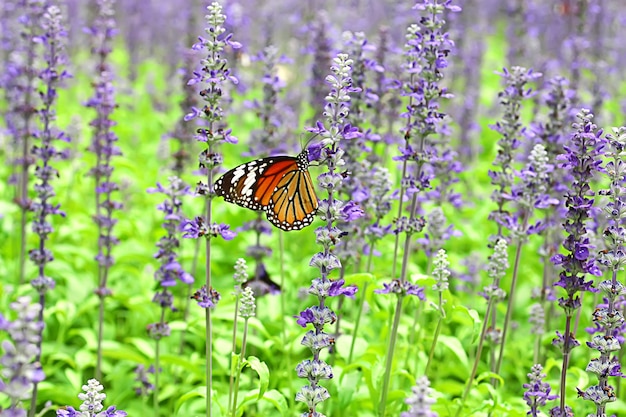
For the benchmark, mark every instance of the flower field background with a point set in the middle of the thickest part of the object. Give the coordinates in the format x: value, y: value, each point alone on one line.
x: 466, y: 254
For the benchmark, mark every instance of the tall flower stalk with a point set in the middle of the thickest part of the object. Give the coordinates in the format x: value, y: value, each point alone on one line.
x: 378, y: 205
x: 170, y: 271
x: 503, y: 179
x: 269, y: 139
x: 582, y: 158
x: 530, y: 194
x: 426, y: 50
x: 21, y: 369
x: 183, y: 137
x: 441, y: 274
x: 552, y: 134
x: 496, y: 270
x: 103, y: 145
x: 607, y: 317
x: 510, y: 129
x: 240, y: 276
x: 45, y: 152
x: 247, y: 309
x: 537, y: 392
x: 20, y: 87
x: 331, y: 210
x: 215, y: 76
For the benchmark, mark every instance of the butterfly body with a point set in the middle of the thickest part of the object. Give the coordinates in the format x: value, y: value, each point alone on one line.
x: 279, y: 185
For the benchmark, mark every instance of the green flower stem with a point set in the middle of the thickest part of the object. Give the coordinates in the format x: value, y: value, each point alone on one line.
x: 359, y: 312
x: 442, y: 315
x: 479, y: 350
x: 157, y: 367
x: 190, y: 291
x: 33, y: 398
x: 566, y: 353
x: 398, y: 311
x: 240, y: 365
x: 390, y: 349
x: 509, y: 307
x: 209, y: 329
x: 283, y: 309
x: 413, y: 336
x: 234, y: 351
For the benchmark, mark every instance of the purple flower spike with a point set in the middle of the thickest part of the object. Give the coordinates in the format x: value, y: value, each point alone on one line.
x: 333, y: 134
x: 21, y: 370
x: 582, y: 159
x: 206, y: 299
x: 402, y: 287
x: 537, y: 392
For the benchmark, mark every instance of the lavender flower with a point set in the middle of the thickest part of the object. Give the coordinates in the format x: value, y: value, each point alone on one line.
x: 530, y: 194
x: 421, y: 400
x: 510, y: 128
x: 21, y: 370
x: 20, y: 87
x: 214, y: 77
x: 170, y: 270
x: 144, y: 387
x: 426, y: 56
x: 322, y: 54
x: 44, y: 150
x: 337, y: 129
x: 104, y: 147
x: 438, y: 232
x: 607, y: 317
x: 248, y: 304
x: 582, y: 159
x: 357, y: 184
x: 377, y: 206
x: 426, y: 51
x: 270, y: 138
x: 537, y: 392
x: 553, y: 136
x: 496, y: 270
x: 183, y: 132
x: 103, y: 142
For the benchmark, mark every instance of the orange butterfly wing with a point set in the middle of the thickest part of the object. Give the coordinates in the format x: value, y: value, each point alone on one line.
x: 281, y: 186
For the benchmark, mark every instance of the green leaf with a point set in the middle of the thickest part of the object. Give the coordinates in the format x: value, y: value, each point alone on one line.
x: 262, y: 371
x: 454, y: 346
x: 359, y: 278
x: 198, y: 392
x: 274, y: 397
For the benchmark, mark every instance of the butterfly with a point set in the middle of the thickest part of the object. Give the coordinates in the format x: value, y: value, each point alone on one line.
x: 281, y: 186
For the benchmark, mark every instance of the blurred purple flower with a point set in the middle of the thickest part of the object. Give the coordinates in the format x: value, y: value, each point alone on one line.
x: 196, y: 228
x: 104, y: 140
x: 510, y: 128
x: 420, y: 400
x: 145, y: 387
x: 402, y: 287
x: 537, y: 392
x: 206, y: 299
x: 21, y: 367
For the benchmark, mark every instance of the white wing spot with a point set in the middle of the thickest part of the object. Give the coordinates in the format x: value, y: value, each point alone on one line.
x: 239, y: 172
x: 248, y: 183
